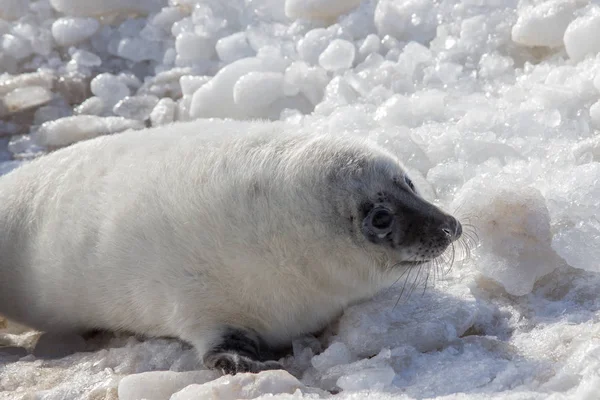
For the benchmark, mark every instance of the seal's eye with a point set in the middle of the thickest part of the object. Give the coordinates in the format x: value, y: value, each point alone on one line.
x: 409, y: 183
x: 382, y: 219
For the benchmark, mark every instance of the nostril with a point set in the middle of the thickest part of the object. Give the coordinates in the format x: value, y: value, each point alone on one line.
x: 452, y: 229
x: 458, y: 231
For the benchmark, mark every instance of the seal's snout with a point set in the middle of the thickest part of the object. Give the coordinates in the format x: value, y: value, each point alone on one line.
x: 452, y: 229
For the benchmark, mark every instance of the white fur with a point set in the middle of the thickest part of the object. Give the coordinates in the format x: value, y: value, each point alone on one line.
x: 182, y: 229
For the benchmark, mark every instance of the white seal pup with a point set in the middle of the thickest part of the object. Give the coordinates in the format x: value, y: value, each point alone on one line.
x: 235, y: 243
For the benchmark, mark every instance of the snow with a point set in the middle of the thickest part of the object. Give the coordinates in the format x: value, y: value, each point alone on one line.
x: 493, y: 106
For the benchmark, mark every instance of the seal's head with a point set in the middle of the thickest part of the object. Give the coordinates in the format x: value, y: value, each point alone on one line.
x: 398, y: 219
x: 387, y: 215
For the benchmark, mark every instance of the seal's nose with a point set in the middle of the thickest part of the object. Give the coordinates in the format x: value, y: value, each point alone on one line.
x: 452, y: 229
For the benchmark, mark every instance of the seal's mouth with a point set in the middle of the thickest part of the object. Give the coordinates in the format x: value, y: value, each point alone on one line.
x: 413, y: 263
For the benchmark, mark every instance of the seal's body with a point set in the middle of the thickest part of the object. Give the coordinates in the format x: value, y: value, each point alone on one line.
x: 234, y: 242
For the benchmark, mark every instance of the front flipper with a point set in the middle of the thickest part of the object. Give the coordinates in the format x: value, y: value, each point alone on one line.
x: 239, y: 351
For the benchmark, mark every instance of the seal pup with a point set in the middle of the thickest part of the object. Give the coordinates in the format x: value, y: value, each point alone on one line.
x: 235, y: 237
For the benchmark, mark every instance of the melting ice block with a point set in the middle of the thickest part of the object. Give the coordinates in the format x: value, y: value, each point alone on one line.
x: 513, y: 226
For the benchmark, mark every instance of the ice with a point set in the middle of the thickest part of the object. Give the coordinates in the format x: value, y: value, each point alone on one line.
x: 245, y: 386
x: 136, y: 107
x: 15, y: 46
x: 43, y: 79
x: 368, y: 379
x: 581, y: 36
x: 234, y: 47
x: 26, y: 97
x: 92, y: 106
x: 268, y: 86
x: 318, y: 9
x: 192, y: 48
x: 339, y: 55
x: 313, y: 43
x: 138, y: 49
x: 68, y: 31
x: 495, y: 121
x: 164, y: 112
x: 109, y: 88
x: 13, y: 9
x: 86, y: 59
x: 371, y: 44
x: 513, y: 225
x: 160, y: 385
x: 216, y: 98
x: 423, y: 321
x: 190, y: 83
x: 406, y: 19
x: 595, y: 114
x: 68, y: 130
x: 336, y: 354
x: 544, y: 24
x: 105, y: 7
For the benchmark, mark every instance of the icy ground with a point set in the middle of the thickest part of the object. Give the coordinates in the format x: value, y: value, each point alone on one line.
x: 494, y: 105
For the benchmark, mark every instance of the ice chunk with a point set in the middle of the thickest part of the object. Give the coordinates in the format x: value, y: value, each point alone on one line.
x: 578, y: 244
x: 339, y: 55
x: 109, y: 88
x: 44, y: 79
x: 544, y: 24
x: 318, y: 9
x: 15, y: 46
x: 371, y: 44
x: 164, y: 112
x: 68, y: 130
x: 136, y: 107
x: 190, y: 83
x: 92, y: 106
x: 192, y: 48
x: 406, y: 19
x: 246, y: 89
x: 245, y: 386
x: 160, y: 385
x: 582, y: 36
x: 425, y: 321
x: 513, y: 226
x: 26, y: 97
x: 313, y: 43
x: 215, y: 98
x: 51, y: 112
x: 311, y: 81
x: 13, y: 9
x: 234, y: 47
x: 368, y: 379
x: 85, y: 58
x: 138, y: 49
x: 68, y: 31
x: 337, y: 353
x: 595, y: 114
x: 93, y: 8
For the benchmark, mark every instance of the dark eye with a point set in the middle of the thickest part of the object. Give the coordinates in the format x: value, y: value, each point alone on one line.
x: 409, y: 183
x: 382, y: 219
